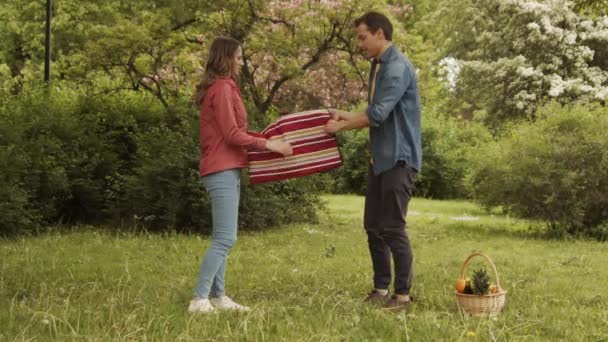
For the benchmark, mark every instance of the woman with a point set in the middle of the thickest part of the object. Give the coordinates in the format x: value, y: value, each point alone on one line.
x: 224, y: 141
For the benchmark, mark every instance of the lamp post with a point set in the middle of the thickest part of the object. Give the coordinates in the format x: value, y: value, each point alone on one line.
x: 47, y: 42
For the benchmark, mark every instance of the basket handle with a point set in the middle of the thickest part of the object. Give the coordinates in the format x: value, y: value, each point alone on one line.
x: 466, y: 264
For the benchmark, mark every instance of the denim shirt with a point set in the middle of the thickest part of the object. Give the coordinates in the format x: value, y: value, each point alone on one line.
x: 394, y: 113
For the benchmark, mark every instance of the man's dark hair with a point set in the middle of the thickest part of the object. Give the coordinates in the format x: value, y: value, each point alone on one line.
x: 375, y: 21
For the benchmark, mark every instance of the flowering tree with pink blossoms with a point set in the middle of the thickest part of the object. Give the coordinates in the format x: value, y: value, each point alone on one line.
x: 299, y: 54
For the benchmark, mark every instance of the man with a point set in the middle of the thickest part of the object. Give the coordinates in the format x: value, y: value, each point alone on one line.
x: 393, y: 118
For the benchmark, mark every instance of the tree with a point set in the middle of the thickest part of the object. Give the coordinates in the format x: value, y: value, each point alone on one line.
x: 297, y: 53
x: 514, y: 55
x: 591, y: 7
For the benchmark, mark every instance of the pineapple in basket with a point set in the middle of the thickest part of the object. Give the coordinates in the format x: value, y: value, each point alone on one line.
x: 480, y: 282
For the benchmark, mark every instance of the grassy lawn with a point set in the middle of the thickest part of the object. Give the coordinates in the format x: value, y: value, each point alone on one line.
x: 304, y: 282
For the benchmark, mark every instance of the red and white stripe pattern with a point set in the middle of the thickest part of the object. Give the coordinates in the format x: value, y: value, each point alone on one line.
x: 313, y: 149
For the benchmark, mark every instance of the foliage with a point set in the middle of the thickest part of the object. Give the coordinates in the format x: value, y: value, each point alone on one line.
x: 515, y: 55
x: 553, y: 169
x: 480, y: 281
x: 290, y: 48
x: 591, y: 7
x: 352, y: 176
x: 68, y: 158
x: 447, y: 147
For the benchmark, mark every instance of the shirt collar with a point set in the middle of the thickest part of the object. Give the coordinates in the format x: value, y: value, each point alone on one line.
x: 385, y: 55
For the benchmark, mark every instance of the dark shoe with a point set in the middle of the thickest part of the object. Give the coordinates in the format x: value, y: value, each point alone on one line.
x: 396, y: 304
x: 374, y: 297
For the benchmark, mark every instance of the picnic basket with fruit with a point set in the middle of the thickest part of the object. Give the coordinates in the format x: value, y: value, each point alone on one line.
x: 476, y: 295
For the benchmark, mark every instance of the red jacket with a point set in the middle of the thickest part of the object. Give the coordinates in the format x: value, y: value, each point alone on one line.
x: 224, y: 139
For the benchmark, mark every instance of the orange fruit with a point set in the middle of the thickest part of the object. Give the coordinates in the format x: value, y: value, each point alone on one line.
x: 460, y: 285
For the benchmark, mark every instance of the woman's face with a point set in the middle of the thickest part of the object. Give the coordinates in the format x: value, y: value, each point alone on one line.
x: 237, y: 62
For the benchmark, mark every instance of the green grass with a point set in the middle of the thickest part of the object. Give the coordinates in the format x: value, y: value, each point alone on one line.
x: 304, y: 282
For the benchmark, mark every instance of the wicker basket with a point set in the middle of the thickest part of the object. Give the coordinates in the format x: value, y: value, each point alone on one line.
x: 481, y: 305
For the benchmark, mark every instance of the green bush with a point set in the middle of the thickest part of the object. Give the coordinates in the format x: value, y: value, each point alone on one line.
x: 163, y: 189
x: 355, y: 151
x: 554, y: 169
x: 38, y: 140
x: 447, y: 145
x: 272, y: 204
x: 118, y: 160
x: 15, y: 209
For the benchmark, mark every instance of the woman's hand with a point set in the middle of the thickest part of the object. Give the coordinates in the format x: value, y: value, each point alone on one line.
x: 279, y: 146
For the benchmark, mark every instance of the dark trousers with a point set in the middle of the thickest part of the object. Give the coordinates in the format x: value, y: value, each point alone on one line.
x: 386, y: 201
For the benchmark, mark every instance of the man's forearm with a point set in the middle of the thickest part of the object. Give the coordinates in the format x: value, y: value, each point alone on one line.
x: 344, y: 115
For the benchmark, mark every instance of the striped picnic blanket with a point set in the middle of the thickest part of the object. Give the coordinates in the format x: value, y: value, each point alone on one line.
x: 313, y: 149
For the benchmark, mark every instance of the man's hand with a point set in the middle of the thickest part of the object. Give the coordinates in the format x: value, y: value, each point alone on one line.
x: 337, y: 114
x: 332, y: 127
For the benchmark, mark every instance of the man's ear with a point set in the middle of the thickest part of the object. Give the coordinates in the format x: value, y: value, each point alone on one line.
x: 380, y: 33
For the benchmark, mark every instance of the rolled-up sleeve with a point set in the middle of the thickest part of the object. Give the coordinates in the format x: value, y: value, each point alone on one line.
x: 388, y: 92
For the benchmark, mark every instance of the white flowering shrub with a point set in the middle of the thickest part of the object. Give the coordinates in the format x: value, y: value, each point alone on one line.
x: 513, y: 55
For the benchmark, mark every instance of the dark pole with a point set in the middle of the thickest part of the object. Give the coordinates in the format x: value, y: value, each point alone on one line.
x: 47, y: 42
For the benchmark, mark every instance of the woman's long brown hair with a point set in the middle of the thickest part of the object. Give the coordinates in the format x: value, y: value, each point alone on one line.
x: 219, y: 64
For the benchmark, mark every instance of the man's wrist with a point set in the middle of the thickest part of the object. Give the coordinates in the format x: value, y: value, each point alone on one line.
x: 347, y: 115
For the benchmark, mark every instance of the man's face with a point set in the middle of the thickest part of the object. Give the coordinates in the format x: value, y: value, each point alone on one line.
x: 370, y: 43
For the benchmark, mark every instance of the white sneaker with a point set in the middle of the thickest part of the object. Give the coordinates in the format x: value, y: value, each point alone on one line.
x: 225, y: 303
x: 200, y: 305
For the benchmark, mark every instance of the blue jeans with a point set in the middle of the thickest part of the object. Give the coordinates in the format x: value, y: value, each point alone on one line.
x: 224, y: 189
